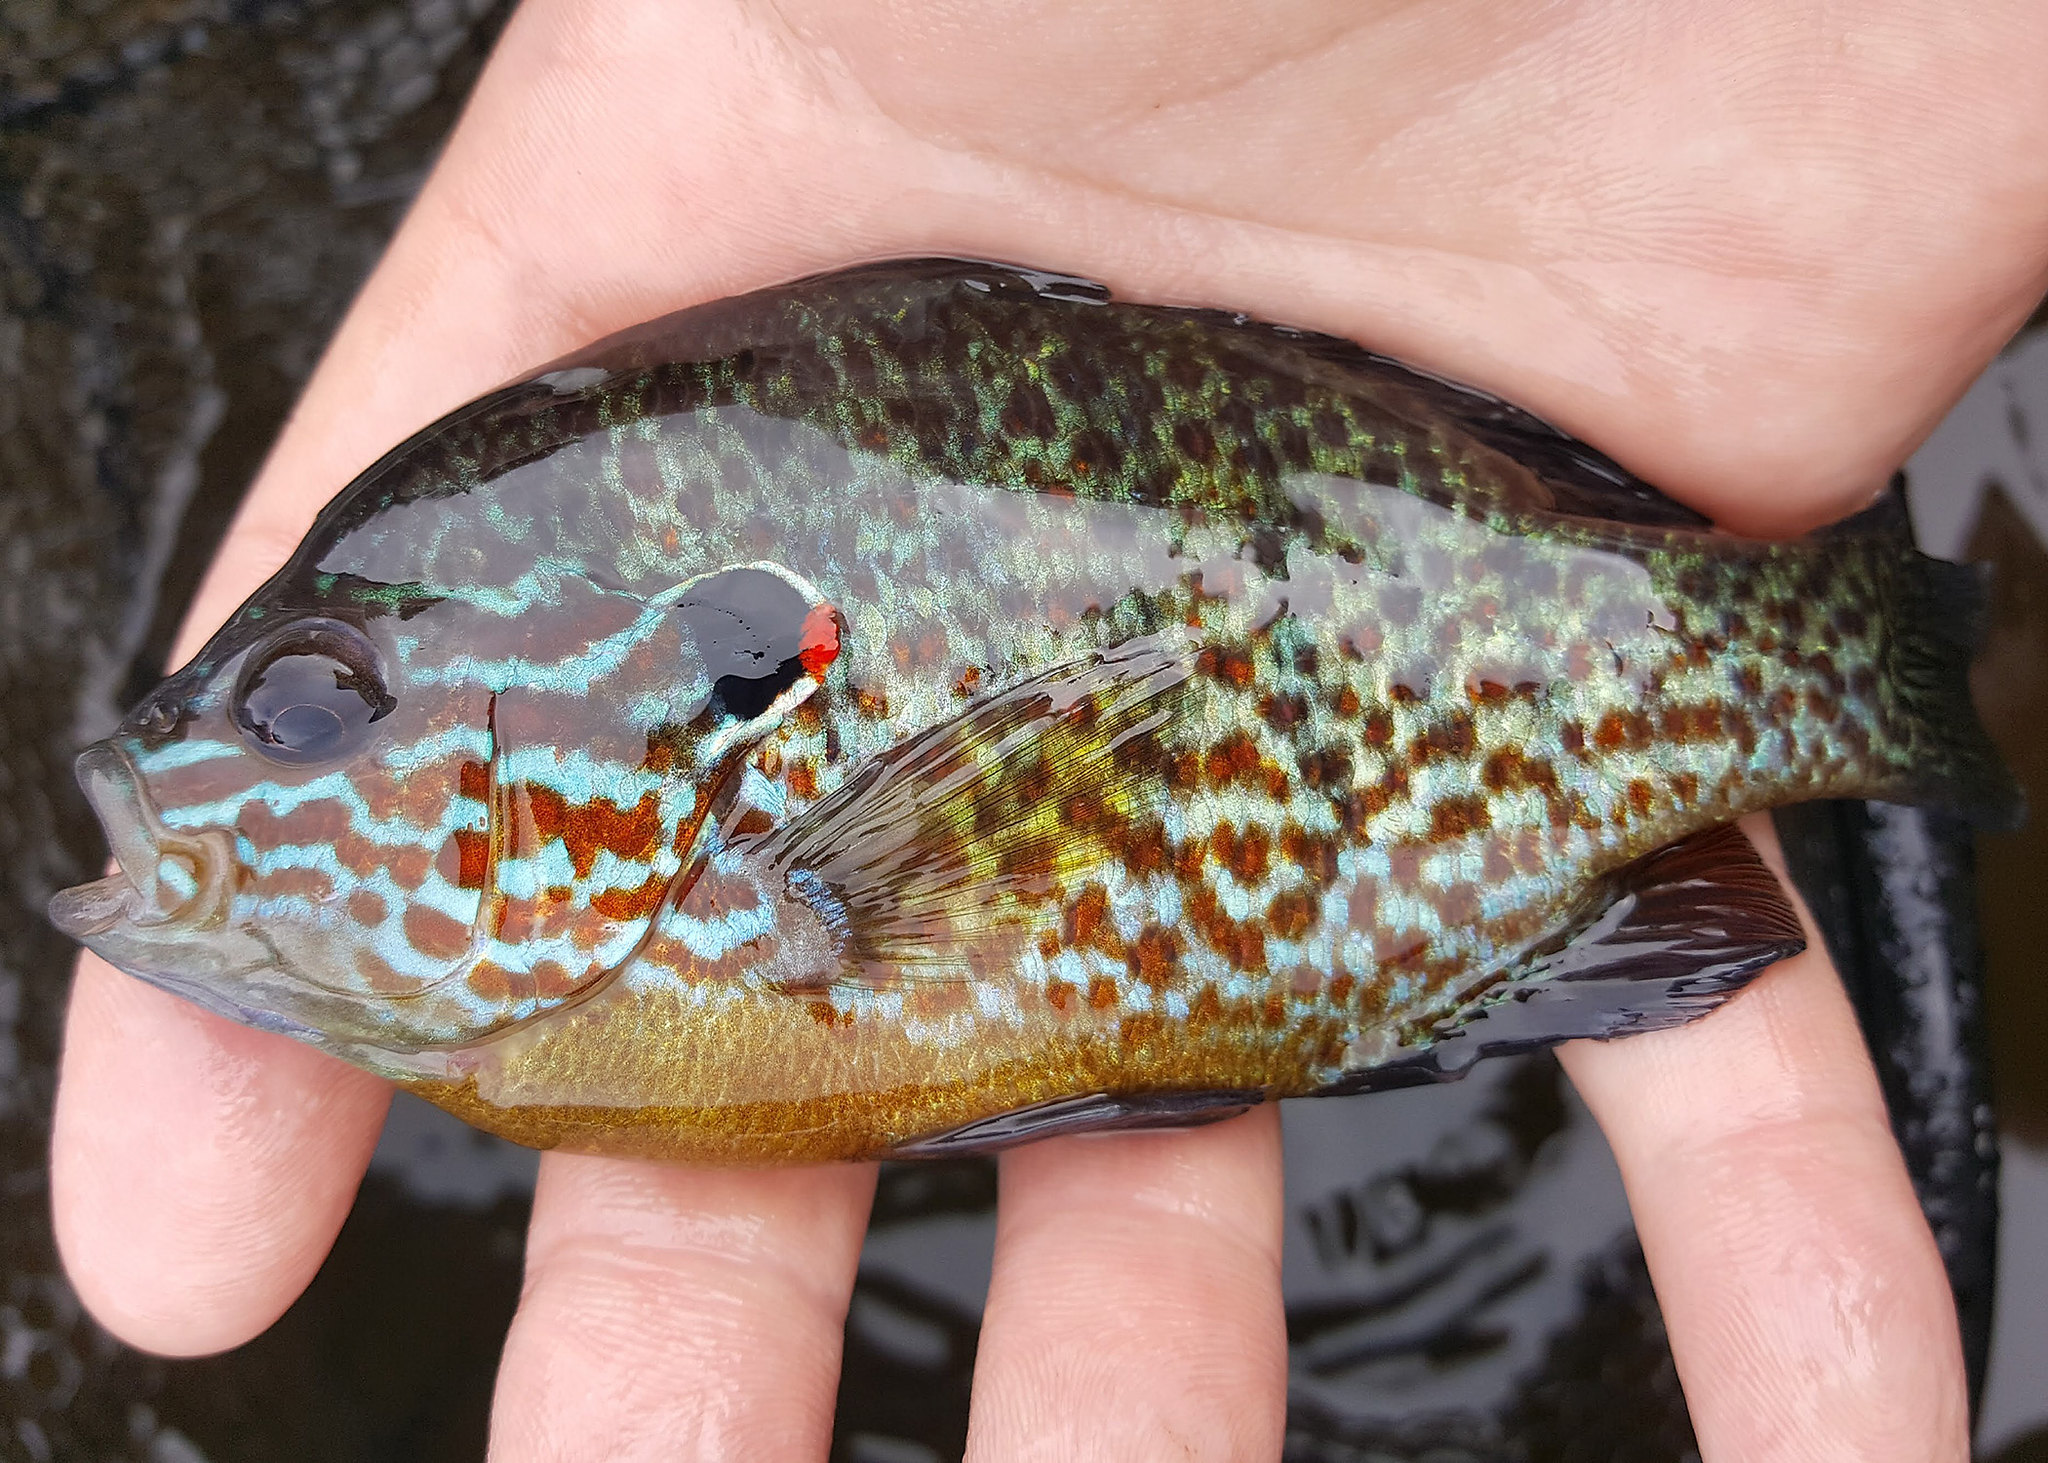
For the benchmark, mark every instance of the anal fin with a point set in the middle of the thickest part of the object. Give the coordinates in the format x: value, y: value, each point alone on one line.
x: 1094, y: 1112
x: 1688, y: 926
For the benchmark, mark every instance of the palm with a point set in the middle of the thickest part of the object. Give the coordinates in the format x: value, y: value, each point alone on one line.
x: 1764, y: 244
x: 1753, y: 255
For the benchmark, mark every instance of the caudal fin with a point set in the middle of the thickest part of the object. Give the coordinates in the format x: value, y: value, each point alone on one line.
x: 1934, y: 618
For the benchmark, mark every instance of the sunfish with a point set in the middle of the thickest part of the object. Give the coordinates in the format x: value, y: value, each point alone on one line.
x: 934, y: 705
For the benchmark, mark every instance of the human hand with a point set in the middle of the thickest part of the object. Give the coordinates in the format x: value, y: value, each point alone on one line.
x: 1752, y: 253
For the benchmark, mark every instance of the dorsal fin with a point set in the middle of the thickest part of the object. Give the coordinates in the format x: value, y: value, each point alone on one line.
x: 1570, y: 477
x: 951, y: 835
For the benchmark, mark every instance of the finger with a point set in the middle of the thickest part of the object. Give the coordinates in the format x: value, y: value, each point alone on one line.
x: 679, y: 1313
x: 1134, y: 1310
x: 199, y: 1170
x: 1807, y: 1306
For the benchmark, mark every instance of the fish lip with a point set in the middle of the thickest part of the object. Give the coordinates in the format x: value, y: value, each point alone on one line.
x: 94, y: 908
x: 134, y: 896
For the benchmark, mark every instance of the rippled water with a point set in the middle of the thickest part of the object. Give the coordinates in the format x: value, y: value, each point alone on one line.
x: 190, y: 190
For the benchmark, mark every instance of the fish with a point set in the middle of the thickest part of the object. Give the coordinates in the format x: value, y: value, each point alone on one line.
x: 936, y: 705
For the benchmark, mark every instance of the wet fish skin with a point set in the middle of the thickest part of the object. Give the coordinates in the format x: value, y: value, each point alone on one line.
x: 830, y: 720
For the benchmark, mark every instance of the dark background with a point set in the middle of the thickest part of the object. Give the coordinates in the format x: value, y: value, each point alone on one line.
x: 190, y: 192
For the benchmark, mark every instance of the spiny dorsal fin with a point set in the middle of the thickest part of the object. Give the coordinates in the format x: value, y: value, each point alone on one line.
x: 1687, y: 927
x: 949, y: 837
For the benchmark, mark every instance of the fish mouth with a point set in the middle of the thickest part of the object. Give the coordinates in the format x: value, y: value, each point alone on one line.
x: 162, y: 915
x: 165, y: 882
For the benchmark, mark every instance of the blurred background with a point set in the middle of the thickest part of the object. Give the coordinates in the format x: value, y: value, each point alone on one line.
x: 190, y: 192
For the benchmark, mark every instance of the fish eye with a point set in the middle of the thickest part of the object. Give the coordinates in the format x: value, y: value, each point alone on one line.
x: 310, y: 693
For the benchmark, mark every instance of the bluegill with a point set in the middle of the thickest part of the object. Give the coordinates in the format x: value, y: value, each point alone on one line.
x: 934, y: 705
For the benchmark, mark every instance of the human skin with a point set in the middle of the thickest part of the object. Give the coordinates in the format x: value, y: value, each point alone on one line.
x: 1752, y: 250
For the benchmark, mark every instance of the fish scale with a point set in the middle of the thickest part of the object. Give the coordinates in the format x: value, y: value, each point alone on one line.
x: 934, y: 705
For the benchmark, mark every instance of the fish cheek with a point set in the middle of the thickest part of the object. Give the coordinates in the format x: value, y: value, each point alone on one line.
x: 588, y: 831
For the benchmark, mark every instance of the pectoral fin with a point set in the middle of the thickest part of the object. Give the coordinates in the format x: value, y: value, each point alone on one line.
x: 919, y: 862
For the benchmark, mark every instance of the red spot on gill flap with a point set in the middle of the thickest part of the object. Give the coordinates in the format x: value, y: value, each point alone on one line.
x: 818, y: 641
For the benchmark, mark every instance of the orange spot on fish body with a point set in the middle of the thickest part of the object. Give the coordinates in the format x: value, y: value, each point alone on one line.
x: 1290, y: 914
x: 1399, y: 949
x: 325, y: 820
x: 492, y: 982
x: 313, y: 885
x: 408, y: 863
x: 1088, y: 922
x: 1250, y: 859
x: 433, y: 933
x: 585, y: 829
x: 515, y: 920
x: 472, y: 857
x: 380, y: 977
x: 1140, y: 1030
x: 1156, y: 957
x: 1455, y: 817
x: 1459, y: 904
x: 631, y: 904
x: 552, y: 980
x: 1144, y: 850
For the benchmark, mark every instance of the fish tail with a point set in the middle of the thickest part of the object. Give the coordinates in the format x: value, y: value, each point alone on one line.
x: 1934, y: 615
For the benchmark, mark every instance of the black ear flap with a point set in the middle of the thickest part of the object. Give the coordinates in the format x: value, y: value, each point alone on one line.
x: 753, y: 631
